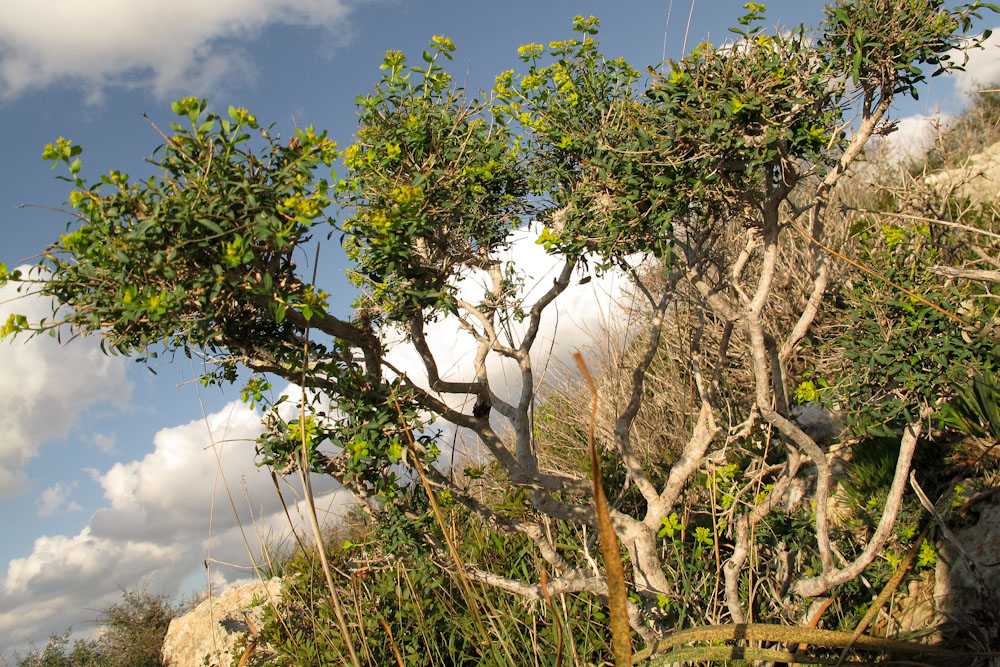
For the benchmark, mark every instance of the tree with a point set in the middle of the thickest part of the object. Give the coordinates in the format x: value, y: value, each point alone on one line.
x: 130, y: 635
x: 714, y: 169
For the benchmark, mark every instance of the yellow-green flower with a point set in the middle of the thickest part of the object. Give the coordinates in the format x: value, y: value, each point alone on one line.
x: 443, y: 43
x: 242, y: 116
x: 352, y: 156
x: 407, y: 194
x: 80, y: 200
x: 529, y: 51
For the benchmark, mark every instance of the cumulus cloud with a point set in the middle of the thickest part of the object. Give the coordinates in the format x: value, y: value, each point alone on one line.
x: 982, y: 68
x: 56, y: 497
x: 166, y: 514
x: 53, y: 587
x: 186, y: 46
x: 913, y: 137
x: 46, y: 387
x: 168, y: 493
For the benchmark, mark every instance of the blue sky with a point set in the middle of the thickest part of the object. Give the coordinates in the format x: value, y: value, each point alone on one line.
x: 106, y: 474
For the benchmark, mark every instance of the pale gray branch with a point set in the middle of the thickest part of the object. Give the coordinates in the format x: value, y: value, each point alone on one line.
x: 829, y: 578
x: 982, y: 275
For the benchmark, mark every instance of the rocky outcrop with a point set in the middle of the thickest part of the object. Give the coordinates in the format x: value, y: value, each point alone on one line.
x: 966, y: 593
x: 978, y: 179
x: 957, y: 602
x: 206, y: 636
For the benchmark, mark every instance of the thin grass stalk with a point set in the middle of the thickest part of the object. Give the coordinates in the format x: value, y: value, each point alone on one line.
x: 471, y: 598
x: 875, y: 274
x: 901, y: 570
x: 232, y: 503
x: 727, y: 653
x: 357, y: 613
x: 253, y: 642
x: 615, y: 574
x: 310, y: 500
x: 800, y: 649
x: 392, y: 644
x: 544, y: 577
x: 284, y: 506
x: 421, y: 619
x: 793, y: 633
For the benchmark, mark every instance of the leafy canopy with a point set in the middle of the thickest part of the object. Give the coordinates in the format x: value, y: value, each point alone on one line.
x: 703, y: 166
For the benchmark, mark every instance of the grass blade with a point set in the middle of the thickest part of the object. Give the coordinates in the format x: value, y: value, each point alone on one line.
x: 621, y: 634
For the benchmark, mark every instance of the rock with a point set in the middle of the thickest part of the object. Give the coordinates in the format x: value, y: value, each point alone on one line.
x: 819, y: 422
x: 952, y: 607
x: 979, y: 179
x: 959, y: 595
x: 917, y: 610
x: 205, y: 636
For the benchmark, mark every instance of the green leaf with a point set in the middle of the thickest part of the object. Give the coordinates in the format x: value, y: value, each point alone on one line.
x: 212, y: 226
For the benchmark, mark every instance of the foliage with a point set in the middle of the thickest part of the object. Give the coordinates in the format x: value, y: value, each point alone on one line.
x: 212, y: 233
x: 976, y: 409
x: 132, y: 630
x: 902, y: 352
x: 54, y: 654
x: 719, y: 173
x: 410, y: 603
x: 130, y: 634
x: 433, y: 186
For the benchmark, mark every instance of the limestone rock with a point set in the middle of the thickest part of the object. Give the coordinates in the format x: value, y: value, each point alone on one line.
x: 979, y: 179
x: 956, y: 608
x: 917, y: 608
x: 958, y: 593
x: 205, y: 636
x: 818, y: 421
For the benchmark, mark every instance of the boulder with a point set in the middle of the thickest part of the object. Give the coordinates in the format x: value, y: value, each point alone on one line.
x: 951, y: 604
x: 206, y: 636
x: 961, y: 594
x: 978, y: 178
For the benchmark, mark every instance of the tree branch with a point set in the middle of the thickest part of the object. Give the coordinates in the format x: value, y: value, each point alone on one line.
x: 829, y: 578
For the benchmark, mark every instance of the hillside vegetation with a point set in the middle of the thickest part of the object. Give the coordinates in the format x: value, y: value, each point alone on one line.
x: 731, y: 474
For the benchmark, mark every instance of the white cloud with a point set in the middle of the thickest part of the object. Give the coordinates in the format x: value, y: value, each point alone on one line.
x: 104, y: 442
x: 175, y: 46
x: 45, y: 387
x: 982, y: 68
x: 167, y: 513
x: 568, y: 324
x: 913, y: 137
x: 60, y: 562
x: 55, y: 498
x: 168, y: 493
x: 65, y: 578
